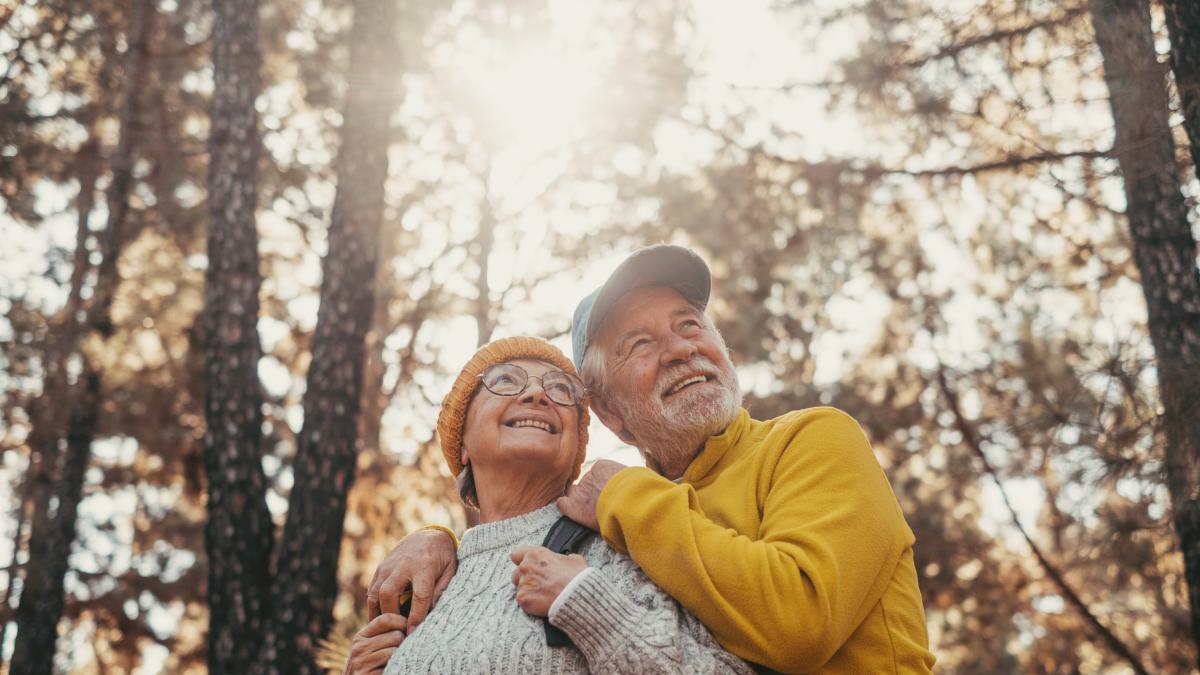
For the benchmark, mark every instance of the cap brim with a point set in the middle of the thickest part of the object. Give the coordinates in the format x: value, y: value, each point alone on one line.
x: 661, y: 265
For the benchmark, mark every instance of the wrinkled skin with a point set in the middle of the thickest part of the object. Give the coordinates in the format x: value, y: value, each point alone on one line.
x: 422, y: 563
x: 374, y: 644
x: 541, y: 575
x: 579, y: 504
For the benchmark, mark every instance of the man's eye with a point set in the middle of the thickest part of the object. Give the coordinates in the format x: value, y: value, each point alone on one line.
x: 639, y: 342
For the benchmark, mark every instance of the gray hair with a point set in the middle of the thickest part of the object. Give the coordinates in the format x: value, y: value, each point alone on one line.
x: 594, y: 374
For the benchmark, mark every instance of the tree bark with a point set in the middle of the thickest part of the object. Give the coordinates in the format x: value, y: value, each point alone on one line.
x: 66, y: 416
x: 238, y: 534
x: 1165, y: 253
x: 51, y: 535
x: 305, y: 584
x: 1183, y: 25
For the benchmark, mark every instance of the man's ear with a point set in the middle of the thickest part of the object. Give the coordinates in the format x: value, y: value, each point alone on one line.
x: 611, y: 419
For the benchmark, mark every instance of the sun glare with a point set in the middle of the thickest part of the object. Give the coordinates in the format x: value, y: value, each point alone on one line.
x: 539, y: 100
x: 532, y: 97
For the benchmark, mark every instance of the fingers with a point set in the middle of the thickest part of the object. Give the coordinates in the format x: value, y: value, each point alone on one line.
x: 422, y: 598
x: 382, y: 624
x: 374, y: 644
x: 373, y: 595
x: 371, y: 655
x: 579, y: 504
x: 518, y: 554
x: 566, y: 504
x: 371, y: 662
x: 442, y: 582
x: 394, y: 576
x: 372, y: 606
x: 392, y: 592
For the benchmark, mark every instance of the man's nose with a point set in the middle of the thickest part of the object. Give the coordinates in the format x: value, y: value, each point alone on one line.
x: 677, y: 349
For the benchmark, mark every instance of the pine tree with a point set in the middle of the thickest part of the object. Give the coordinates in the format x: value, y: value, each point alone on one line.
x: 63, y: 451
x: 305, y: 583
x: 1165, y: 252
x: 239, y: 531
x: 1183, y: 25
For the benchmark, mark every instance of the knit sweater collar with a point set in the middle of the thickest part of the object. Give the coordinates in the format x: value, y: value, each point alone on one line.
x: 508, y: 532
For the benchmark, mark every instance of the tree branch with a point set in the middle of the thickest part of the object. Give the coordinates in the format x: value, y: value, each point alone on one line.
x: 971, y: 440
x: 953, y: 50
x: 1012, y: 162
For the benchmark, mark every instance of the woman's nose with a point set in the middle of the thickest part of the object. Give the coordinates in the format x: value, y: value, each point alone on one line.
x: 534, y: 393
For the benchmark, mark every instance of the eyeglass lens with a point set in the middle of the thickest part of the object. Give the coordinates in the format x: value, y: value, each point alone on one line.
x: 507, y: 379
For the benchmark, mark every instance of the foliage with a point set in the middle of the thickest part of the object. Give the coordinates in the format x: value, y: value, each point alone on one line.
x: 914, y: 204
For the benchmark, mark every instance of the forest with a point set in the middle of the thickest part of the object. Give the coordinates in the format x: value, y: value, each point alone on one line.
x: 246, y: 246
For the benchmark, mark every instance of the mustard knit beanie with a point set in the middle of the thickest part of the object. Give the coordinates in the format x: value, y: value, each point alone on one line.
x: 454, y: 407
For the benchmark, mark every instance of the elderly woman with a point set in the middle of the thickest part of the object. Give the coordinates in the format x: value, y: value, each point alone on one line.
x: 513, y: 429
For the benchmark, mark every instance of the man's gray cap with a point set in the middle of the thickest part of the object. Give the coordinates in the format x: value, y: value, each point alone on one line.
x: 658, y: 265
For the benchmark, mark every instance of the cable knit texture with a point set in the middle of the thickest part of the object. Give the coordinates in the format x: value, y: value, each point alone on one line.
x: 619, y: 620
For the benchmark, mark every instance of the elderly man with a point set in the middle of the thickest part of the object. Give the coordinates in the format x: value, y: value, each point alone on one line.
x: 782, y: 536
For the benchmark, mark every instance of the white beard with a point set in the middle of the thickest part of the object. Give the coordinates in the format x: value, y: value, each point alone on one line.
x: 670, y: 431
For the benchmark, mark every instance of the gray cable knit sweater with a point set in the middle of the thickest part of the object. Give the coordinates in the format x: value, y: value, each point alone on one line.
x: 618, y: 619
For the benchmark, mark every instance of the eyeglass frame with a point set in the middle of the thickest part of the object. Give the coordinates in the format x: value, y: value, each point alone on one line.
x: 579, y: 389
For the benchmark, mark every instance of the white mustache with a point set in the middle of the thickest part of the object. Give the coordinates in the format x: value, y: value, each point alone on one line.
x: 697, y: 364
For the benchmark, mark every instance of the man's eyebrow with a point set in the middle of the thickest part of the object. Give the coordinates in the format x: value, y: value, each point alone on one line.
x: 631, y: 333
x: 686, y: 310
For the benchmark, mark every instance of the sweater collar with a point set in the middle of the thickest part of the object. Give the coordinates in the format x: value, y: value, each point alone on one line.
x: 716, y: 447
x: 508, y: 532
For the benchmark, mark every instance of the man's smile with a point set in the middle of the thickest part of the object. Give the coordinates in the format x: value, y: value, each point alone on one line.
x: 686, y: 382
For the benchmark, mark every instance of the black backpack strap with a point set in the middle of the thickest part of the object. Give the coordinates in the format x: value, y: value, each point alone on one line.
x: 565, y: 536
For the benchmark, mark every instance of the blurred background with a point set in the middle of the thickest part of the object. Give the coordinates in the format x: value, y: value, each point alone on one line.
x: 913, y: 211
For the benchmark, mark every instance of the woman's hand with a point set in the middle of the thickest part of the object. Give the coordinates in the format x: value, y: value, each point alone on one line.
x: 374, y: 644
x: 541, y: 575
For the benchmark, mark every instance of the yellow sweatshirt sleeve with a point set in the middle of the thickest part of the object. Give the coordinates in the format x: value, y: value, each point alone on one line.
x: 790, y: 595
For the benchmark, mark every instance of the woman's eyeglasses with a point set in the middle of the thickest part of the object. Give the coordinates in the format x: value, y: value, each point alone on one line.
x: 509, y: 379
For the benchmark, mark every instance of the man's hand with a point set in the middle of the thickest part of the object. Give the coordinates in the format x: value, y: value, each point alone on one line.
x: 579, y: 504
x: 374, y: 644
x: 423, y: 563
x: 541, y: 575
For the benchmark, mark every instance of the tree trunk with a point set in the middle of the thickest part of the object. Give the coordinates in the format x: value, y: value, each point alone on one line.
x: 484, y: 321
x: 114, y: 236
x: 1183, y: 25
x: 484, y: 242
x: 1165, y: 253
x: 238, y: 534
x: 305, y: 584
x: 50, y: 539
x: 63, y: 441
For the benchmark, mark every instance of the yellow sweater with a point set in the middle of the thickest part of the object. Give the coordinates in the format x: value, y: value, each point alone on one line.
x: 785, y: 539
